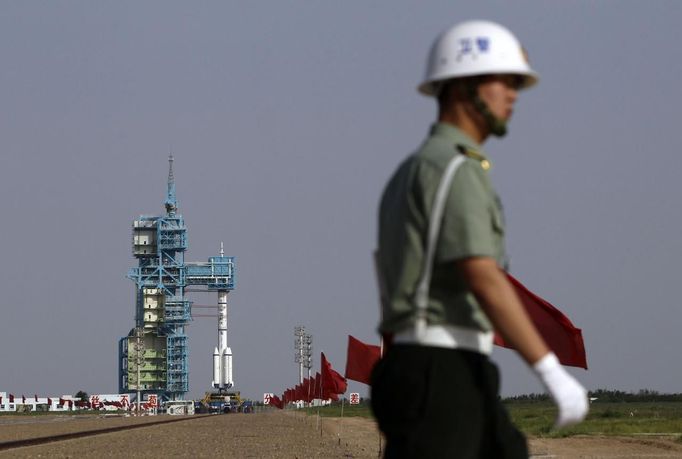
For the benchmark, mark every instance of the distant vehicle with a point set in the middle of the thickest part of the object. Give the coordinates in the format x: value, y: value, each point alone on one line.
x: 179, y: 407
x: 247, y: 406
x: 221, y: 402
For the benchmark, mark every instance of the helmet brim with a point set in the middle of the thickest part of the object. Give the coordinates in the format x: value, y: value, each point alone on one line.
x: 530, y: 78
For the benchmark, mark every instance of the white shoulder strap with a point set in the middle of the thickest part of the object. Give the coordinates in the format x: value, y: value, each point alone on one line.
x: 422, y: 292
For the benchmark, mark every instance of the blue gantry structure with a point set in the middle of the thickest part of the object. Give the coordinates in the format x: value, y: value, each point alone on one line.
x: 153, y: 357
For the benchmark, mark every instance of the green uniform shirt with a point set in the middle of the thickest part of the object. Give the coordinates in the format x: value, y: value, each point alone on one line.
x: 473, y: 225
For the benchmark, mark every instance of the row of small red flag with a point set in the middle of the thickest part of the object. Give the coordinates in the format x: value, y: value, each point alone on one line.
x: 326, y: 384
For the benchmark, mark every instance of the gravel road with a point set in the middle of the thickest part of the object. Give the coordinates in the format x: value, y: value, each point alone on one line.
x: 265, y: 435
x: 275, y: 434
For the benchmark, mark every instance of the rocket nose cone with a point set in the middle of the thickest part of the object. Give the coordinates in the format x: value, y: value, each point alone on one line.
x: 228, y: 351
x: 215, y: 351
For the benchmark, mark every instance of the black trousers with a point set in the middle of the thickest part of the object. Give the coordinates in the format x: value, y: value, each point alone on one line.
x: 442, y: 403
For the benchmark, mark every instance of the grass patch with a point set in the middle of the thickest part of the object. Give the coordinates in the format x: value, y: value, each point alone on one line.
x: 619, y: 418
x: 363, y: 410
x: 537, y: 418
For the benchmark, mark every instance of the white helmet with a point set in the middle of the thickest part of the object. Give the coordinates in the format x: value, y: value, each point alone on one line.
x: 476, y: 48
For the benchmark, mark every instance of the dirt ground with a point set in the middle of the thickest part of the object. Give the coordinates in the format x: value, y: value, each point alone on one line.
x: 273, y: 435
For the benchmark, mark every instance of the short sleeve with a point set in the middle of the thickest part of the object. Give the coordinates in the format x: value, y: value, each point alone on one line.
x: 467, y: 228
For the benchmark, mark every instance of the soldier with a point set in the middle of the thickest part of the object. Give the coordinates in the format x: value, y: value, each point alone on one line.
x: 440, y: 259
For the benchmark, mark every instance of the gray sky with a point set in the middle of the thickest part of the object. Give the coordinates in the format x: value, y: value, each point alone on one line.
x: 286, y: 119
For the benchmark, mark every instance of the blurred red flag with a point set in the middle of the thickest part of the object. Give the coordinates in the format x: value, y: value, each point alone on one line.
x: 11, y: 398
x: 360, y: 360
x: 562, y: 337
x: 318, y: 386
x: 332, y: 381
x: 306, y: 389
x: 275, y: 401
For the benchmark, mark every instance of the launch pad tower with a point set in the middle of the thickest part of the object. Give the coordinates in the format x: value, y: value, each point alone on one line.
x: 153, y: 357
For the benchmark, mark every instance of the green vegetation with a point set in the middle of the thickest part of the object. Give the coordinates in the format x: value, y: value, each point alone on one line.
x: 334, y: 410
x: 611, y: 413
x: 605, y: 395
x: 605, y: 418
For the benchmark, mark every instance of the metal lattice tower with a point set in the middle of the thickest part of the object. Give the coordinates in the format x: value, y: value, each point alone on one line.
x: 162, y: 309
x: 303, y: 345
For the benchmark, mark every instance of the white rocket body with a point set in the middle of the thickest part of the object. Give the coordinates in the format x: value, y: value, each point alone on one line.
x: 216, y: 368
x: 222, y: 355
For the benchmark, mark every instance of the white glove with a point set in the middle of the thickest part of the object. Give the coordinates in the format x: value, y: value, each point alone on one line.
x: 568, y: 394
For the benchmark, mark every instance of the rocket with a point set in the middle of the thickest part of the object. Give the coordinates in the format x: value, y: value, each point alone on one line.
x: 222, y: 355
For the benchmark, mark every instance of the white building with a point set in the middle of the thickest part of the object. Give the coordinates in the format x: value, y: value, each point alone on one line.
x: 22, y: 403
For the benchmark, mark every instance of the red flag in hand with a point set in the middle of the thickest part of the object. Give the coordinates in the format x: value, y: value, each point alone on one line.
x: 562, y: 337
x: 360, y: 360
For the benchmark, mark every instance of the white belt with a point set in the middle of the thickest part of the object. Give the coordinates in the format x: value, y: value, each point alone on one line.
x: 449, y: 337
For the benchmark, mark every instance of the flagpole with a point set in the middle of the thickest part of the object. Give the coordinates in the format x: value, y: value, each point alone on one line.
x: 320, y: 397
x: 343, y: 401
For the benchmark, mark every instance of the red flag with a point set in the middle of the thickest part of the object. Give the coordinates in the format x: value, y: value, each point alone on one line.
x: 310, y: 389
x: 332, y: 381
x: 49, y: 401
x: 360, y: 360
x: 11, y: 398
x: 318, y: 385
x: 275, y: 401
x: 562, y: 337
x: 306, y: 389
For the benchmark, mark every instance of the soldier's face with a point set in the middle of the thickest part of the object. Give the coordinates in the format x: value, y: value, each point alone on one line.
x: 499, y: 92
